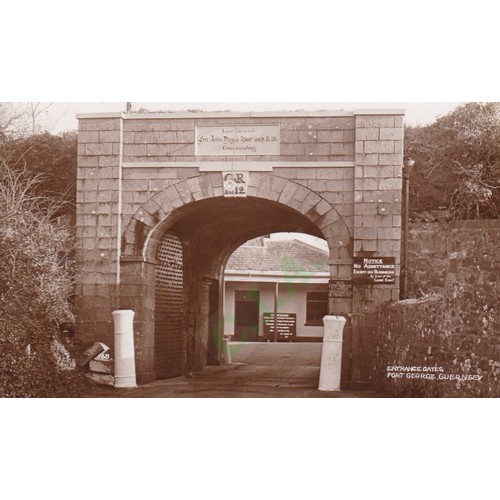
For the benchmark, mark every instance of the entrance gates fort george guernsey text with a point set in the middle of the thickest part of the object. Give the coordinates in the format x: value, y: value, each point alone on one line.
x: 165, y: 199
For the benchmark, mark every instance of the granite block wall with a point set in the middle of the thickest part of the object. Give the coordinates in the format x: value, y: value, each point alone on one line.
x: 456, y: 325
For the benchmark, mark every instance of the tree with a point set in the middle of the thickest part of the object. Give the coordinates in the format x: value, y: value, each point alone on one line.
x: 35, y: 288
x: 34, y: 110
x: 458, y: 162
x: 11, y: 118
x: 50, y: 158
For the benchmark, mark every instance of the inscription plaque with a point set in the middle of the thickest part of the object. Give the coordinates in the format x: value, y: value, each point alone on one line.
x: 241, y: 140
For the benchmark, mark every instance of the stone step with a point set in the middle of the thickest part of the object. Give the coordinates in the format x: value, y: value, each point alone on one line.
x: 101, y: 379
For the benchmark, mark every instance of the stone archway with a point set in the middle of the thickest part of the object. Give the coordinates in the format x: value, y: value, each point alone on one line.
x: 142, y: 235
x: 328, y: 172
x: 211, y: 227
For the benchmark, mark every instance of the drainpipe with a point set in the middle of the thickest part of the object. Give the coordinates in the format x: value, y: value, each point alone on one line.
x: 408, y: 165
x: 276, y: 298
x: 119, y: 221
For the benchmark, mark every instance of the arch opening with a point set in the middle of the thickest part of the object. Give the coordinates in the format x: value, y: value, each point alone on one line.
x: 276, y: 290
x: 204, y: 235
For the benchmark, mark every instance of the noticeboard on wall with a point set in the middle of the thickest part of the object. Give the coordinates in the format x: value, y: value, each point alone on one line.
x: 286, y: 325
x: 340, y: 289
x: 374, y: 271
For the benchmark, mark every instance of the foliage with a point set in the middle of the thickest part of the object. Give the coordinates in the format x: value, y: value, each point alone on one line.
x: 35, y: 285
x: 458, y: 162
x: 50, y: 158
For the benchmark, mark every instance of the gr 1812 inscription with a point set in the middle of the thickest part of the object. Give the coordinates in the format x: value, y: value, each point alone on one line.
x: 251, y: 140
x: 235, y: 184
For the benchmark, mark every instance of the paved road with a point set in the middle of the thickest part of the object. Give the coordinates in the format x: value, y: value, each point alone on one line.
x: 258, y: 371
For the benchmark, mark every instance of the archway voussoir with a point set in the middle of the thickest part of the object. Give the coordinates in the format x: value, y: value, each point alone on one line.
x: 154, y: 210
x: 255, y: 179
x: 333, y: 244
x: 301, y: 194
x: 206, y: 186
x: 216, y: 180
x: 218, y: 192
x: 316, y: 213
x: 336, y: 229
x: 310, y: 202
x: 184, y: 192
x: 322, y: 208
x: 287, y: 192
x: 273, y: 195
x: 128, y: 243
x: 264, y: 189
x: 252, y: 191
x: 162, y: 200
x: 172, y: 196
x: 277, y: 183
x: 194, y: 186
x: 147, y: 219
x: 329, y: 218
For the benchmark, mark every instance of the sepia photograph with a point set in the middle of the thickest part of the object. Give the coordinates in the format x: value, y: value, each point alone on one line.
x: 250, y: 250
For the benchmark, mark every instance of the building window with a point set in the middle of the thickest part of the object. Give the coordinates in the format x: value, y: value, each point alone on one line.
x: 317, y: 308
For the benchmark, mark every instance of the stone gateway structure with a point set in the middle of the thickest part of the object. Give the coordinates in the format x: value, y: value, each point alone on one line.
x: 165, y: 199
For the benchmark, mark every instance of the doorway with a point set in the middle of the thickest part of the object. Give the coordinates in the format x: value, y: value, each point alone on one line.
x: 247, y: 316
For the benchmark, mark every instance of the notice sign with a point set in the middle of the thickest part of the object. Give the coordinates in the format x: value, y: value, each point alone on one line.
x: 340, y: 289
x: 374, y: 271
x: 241, y: 140
x: 287, y: 325
x: 235, y: 184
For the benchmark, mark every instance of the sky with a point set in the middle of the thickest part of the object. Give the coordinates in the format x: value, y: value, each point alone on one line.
x: 61, y: 116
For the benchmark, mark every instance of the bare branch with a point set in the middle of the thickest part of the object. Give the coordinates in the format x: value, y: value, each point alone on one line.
x: 10, y: 118
x: 35, y: 109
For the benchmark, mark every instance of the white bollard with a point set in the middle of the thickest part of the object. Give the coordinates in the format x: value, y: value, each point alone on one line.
x: 331, y: 359
x: 125, y: 377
